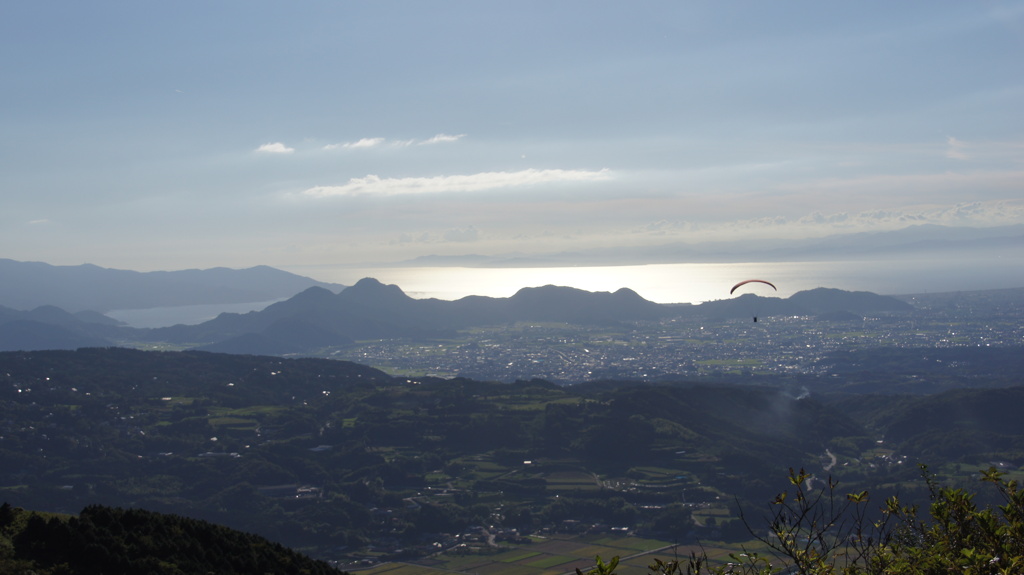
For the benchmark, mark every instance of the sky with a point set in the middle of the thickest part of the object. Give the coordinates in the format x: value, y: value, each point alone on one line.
x: 171, y: 135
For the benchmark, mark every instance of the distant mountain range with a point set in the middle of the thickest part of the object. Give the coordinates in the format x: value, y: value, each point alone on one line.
x: 317, y: 318
x: 28, y: 285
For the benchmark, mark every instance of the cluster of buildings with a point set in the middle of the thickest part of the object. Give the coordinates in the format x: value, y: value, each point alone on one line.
x: 678, y: 347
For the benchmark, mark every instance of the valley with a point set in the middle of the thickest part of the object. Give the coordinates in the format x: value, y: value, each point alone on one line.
x: 695, y: 346
x: 521, y: 446
x: 352, y: 465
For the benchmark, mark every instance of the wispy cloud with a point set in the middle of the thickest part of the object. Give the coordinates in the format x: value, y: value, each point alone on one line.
x: 817, y: 224
x: 930, y: 184
x: 461, y: 235
x: 975, y: 214
x: 373, y: 185
x: 380, y: 142
x: 275, y: 148
x: 361, y: 143
x: 955, y: 149
x: 442, y: 139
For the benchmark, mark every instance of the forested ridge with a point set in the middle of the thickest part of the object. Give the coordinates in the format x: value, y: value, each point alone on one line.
x: 106, y: 540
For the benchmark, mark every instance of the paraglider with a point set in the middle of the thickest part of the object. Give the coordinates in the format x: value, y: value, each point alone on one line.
x: 744, y: 282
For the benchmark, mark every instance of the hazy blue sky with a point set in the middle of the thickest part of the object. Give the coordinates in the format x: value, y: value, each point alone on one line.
x: 167, y: 135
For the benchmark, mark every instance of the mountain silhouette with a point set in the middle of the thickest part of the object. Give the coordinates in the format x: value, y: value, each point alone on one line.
x: 318, y: 318
x: 830, y: 300
x: 49, y: 327
x: 28, y: 285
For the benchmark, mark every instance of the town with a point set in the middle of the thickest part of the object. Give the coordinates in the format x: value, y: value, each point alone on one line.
x: 696, y: 347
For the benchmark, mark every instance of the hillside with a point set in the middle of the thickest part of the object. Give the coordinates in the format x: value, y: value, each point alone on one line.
x: 110, y: 540
x: 28, y: 285
x: 372, y: 310
x: 234, y: 439
x: 946, y: 425
x: 318, y: 454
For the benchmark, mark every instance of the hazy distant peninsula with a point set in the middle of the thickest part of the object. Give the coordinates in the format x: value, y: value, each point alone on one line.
x: 28, y: 285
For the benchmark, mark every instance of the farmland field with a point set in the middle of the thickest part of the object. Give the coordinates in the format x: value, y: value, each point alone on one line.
x: 553, y: 556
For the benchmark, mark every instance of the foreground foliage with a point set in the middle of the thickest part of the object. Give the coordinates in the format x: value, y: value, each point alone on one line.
x: 808, y: 529
x: 818, y: 532
x: 111, y: 540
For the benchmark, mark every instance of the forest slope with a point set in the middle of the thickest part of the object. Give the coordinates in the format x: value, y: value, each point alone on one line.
x: 135, y: 541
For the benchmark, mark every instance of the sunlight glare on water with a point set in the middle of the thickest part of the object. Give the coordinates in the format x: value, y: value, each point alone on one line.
x: 690, y: 283
x: 660, y: 283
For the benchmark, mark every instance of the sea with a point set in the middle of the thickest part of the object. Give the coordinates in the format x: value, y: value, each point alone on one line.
x: 698, y: 282
x: 678, y: 283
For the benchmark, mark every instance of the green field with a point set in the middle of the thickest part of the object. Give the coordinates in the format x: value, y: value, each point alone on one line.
x: 546, y: 556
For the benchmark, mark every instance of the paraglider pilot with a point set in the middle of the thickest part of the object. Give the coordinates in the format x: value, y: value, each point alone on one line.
x: 744, y: 282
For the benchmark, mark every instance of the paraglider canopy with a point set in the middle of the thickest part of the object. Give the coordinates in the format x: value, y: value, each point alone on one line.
x: 744, y: 282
